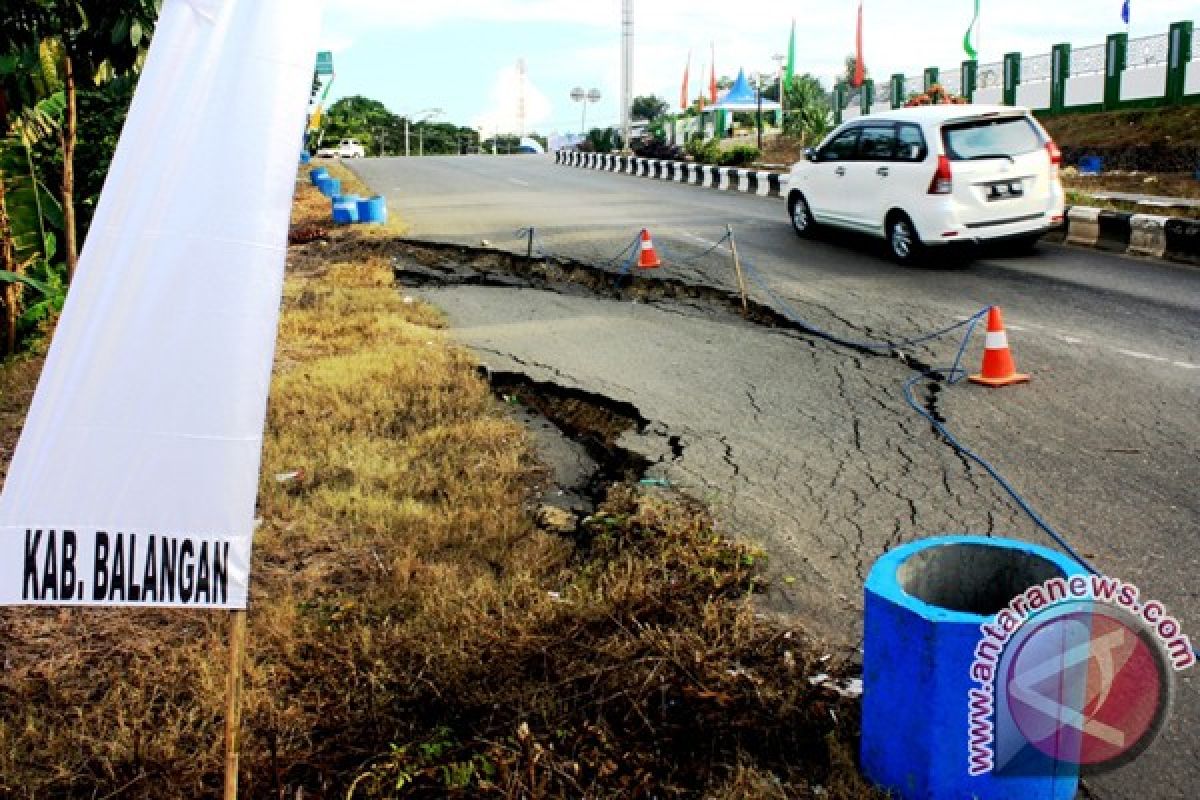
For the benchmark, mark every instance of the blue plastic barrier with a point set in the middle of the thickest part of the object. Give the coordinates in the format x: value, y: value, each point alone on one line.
x: 1091, y: 165
x: 330, y: 187
x: 317, y: 174
x: 345, y: 209
x: 373, y: 209
x: 923, y: 609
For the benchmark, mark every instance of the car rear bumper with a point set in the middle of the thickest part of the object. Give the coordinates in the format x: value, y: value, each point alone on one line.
x: 998, y: 230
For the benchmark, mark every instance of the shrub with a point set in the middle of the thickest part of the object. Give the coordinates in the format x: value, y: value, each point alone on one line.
x: 704, y: 151
x: 658, y: 148
x: 739, y: 156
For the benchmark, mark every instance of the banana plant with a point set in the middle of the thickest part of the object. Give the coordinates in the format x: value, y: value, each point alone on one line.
x: 32, y: 285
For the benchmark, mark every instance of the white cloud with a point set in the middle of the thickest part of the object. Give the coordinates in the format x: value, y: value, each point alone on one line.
x: 504, y: 101
x: 392, y: 13
x: 335, y: 42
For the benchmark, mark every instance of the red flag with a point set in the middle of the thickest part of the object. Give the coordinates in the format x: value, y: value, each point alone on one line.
x: 860, y: 72
x: 683, y: 96
x: 712, y: 79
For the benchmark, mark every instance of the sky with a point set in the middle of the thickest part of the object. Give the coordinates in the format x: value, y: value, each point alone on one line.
x: 460, y: 56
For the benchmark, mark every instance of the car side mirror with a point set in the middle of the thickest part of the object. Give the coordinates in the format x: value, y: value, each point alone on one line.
x: 811, y: 154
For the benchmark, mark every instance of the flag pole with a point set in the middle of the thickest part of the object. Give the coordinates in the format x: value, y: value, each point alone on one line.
x: 233, y: 701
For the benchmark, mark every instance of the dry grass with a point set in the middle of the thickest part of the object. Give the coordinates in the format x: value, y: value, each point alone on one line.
x: 412, y: 632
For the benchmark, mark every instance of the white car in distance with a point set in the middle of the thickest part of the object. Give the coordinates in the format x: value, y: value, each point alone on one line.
x: 932, y: 176
x: 350, y: 148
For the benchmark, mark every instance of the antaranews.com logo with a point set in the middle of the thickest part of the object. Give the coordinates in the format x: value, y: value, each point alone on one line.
x: 1076, y: 671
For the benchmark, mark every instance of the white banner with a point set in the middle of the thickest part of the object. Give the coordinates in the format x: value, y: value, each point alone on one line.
x: 135, y: 477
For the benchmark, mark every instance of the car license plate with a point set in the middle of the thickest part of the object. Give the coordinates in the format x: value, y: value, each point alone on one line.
x: 1000, y: 191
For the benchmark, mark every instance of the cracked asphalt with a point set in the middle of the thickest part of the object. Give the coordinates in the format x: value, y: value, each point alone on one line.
x: 809, y: 447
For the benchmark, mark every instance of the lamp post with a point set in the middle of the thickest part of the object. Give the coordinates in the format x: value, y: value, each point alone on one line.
x: 426, y: 115
x: 778, y: 59
x: 579, y: 96
x: 757, y: 78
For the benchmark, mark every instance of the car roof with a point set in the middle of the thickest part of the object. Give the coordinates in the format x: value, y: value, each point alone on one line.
x: 933, y: 115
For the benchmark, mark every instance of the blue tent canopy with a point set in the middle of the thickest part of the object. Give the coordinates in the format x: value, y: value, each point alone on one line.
x: 741, y: 97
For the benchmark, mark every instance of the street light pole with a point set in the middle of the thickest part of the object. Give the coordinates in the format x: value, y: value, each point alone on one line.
x: 758, y: 97
x: 778, y: 59
x: 580, y: 96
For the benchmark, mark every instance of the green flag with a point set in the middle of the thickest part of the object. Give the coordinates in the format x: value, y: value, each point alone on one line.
x: 791, y: 62
x: 967, y: 45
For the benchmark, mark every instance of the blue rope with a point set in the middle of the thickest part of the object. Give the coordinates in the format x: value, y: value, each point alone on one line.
x: 785, y: 309
x: 951, y: 375
x: 692, y: 261
x: 991, y: 470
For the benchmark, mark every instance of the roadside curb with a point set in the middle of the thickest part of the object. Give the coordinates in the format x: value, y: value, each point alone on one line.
x: 1145, y: 235
x: 763, y: 183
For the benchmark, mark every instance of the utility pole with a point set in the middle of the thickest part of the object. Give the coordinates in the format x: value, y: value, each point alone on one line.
x: 406, y: 151
x: 778, y: 59
x: 521, y: 96
x: 626, y: 70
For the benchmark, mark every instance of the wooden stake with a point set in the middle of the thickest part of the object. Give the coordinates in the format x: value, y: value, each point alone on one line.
x: 737, y: 265
x: 233, y: 701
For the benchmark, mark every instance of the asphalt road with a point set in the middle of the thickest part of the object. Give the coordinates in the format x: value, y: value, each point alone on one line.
x: 809, y: 447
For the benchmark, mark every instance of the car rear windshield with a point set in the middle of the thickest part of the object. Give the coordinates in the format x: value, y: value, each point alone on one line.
x: 991, y: 138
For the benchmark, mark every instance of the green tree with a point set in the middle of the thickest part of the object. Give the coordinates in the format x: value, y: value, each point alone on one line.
x: 808, y: 114
x: 649, y: 107
x: 76, y: 44
x: 850, y: 67
x: 364, y: 119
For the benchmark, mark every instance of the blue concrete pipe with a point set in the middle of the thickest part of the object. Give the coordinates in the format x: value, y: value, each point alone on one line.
x: 373, y: 209
x: 330, y: 187
x: 345, y: 209
x: 924, y: 605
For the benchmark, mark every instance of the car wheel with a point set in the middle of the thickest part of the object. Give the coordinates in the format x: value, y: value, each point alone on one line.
x: 802, y: 218
x: 903, y: 243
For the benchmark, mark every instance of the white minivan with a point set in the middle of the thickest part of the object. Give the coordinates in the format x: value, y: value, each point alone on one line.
x: 932, y: 175
x: 350, y: 148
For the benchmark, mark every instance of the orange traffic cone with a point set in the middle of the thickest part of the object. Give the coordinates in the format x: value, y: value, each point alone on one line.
x: 648, y: 258
x: 998, y: 366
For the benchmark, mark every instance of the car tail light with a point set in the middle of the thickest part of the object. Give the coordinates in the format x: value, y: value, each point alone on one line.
x: 943, y: 179
x: 1055, y: 157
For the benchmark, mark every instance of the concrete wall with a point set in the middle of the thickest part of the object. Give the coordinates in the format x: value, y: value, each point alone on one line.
x: 881, y: 106
x: 1034, y: 95
x: 851, y: 113
x: 993, y: 95
x: 1138, y: 84
x: 1085, y: 90
x: 1192, y: 85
